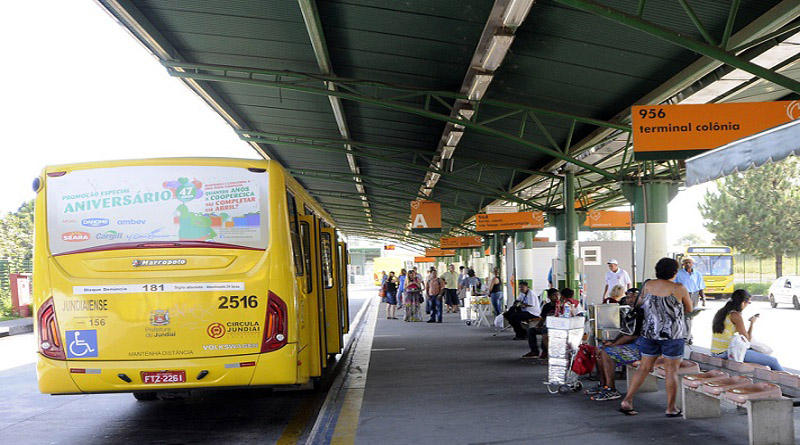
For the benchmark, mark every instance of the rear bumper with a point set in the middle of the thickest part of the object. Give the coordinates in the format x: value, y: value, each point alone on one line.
x: 75, y: 377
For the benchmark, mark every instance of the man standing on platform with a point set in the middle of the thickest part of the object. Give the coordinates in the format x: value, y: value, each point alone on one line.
x: 451, y: 288
x: 693, y: 280
x: 616, y: 276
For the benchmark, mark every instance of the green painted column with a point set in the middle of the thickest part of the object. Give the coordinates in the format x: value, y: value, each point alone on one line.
x: 523, y: 258
x: 650, y: 202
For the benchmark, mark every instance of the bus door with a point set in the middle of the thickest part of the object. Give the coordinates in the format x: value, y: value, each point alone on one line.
x: 330, y: 289
x: 316, y: 304
x: 343, y: 287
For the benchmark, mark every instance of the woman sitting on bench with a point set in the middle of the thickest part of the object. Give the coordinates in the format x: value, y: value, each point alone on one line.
x: 729, y: 321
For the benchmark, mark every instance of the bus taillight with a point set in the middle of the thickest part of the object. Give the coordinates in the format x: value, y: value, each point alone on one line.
x: 49, y: 338
x: 275, y: 330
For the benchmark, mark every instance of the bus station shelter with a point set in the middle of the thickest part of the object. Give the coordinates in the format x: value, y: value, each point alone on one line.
x: 471, y: 104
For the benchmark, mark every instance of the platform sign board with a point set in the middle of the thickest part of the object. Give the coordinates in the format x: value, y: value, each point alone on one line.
x: 436, y: 252
x: 662, y: 132
x: 501, y: 209
x: 426, y: 216
x: 509, y: 222
x: 607, y: 219
x: 424, y: 259
x: 541, y: 239
x: 461, y: 242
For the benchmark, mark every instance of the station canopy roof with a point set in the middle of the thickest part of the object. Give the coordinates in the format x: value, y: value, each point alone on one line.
x: 371, y: 104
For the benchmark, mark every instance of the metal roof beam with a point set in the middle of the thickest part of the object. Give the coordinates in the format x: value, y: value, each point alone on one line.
x: 278, y: 82
x: 679, y: 39
x: 317, y: 36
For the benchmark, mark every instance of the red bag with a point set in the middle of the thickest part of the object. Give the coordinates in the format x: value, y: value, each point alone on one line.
x: 585, y: 359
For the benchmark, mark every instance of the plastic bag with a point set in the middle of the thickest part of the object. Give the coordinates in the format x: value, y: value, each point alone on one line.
x: 737, y: 348
x: 499, y: 322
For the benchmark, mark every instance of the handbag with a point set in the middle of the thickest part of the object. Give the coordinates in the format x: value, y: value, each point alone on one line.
x: 630, y: 322
x: 760, y: 347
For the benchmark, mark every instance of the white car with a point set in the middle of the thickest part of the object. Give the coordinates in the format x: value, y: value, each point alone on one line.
x: 785, y: 290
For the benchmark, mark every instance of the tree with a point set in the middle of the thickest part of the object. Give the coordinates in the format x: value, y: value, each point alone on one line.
x: 691, y: 239
x: 16, y: 237
x: 758, y: 211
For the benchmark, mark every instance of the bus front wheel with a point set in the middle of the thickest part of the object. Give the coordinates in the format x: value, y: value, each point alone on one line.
x: 145, y: 396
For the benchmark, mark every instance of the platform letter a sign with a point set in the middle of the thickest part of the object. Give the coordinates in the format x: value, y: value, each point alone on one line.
x: 426, y: 216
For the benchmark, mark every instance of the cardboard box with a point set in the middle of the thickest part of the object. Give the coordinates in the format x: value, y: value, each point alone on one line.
x: 565, y: 322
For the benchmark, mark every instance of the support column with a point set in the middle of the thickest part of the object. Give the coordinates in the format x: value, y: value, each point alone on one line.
x: 565, y: 255
x: 650, y: 216
x: 523, y: 258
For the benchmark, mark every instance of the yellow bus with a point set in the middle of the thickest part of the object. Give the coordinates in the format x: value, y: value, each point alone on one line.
x: 166, y: 275
x: 716, y: 265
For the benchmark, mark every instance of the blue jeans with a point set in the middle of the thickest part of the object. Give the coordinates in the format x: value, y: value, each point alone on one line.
x: 497, y: 302
x: 752, y: 356
x: 436, y: 307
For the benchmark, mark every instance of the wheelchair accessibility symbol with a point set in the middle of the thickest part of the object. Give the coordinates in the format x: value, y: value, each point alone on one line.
x: 81, y: 344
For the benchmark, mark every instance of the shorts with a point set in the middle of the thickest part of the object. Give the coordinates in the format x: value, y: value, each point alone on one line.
x: 672, y: 348
x: 623, y: 354
x: 391, y: 298
x: 451, y: 297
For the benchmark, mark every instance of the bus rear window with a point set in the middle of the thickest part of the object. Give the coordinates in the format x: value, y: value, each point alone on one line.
x: 122, y: 207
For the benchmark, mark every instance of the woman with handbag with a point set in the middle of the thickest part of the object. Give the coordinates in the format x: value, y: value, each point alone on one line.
x: 728, y: 321
x: 413, y: 297
x: 664, y: 304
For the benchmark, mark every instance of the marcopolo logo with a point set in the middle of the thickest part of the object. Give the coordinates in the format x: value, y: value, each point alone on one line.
x: 109, y: 235
x: 176, y: 262
x: 94, y: 222
x: 75, y: 236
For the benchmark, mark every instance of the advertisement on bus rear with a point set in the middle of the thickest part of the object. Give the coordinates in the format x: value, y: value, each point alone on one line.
x: 105, y: 207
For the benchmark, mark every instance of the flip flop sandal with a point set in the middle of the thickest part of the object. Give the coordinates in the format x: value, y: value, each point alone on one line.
x: 679, y: 413
x: 627, y: 411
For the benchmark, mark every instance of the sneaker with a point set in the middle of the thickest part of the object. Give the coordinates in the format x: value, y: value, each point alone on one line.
x: 607, y: 394
x: 531, y: 355
x: 431, y: 321
x: 597, y: 389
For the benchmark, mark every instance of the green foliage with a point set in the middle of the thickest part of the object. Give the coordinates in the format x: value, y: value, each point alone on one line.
x: 754, y: 288
x: 691, y: 239
x: 16, y: 249
x: 758, y: 212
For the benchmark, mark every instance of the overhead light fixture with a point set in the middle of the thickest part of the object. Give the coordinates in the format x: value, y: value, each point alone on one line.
x: 454, y: 137
x: 480, y: 82
x: 496, y: 51
x: 447, y: 151
x: 515, y: 12
x: 435, y: 177
x: 465, y: 112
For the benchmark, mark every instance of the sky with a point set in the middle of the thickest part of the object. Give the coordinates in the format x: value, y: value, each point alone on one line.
x: 77, y: 87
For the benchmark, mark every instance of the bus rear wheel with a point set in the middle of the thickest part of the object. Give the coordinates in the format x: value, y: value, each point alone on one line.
x: 145, y: 396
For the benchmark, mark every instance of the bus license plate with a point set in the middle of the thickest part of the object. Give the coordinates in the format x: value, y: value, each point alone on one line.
x: 163, y: 377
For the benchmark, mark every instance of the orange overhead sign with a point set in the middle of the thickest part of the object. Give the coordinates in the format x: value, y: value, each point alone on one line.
x: 504, y: 222
x: 663, y: 132
x: 461, y: 242
x: 434, y: 252
x: 607, y: 219
x: 542, y: 239
x: 426, y: 216
x: 423, y: 259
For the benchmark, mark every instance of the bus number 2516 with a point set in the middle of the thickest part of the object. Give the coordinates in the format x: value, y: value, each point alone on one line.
x: 235, y: 301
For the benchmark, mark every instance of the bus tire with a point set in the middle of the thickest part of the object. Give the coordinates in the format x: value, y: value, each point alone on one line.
x: 316, y: 383
x: 145, y: 396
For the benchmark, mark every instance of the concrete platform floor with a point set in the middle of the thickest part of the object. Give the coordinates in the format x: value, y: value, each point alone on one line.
x: 452, y: 383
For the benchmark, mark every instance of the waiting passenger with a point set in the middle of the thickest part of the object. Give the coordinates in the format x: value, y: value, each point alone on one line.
x: 621, y: 351
x: 616, y: 296
x: 526, y: 308
x: 401, y: 287
x: 435, y: 289
x: 413, y: 295
x: 496, y: 292
x: 566, y: 299
x: 728, y: 321
x: 549, y: 309
x: 663, y: 333
x: 450, y: 279
x: 391, y: 296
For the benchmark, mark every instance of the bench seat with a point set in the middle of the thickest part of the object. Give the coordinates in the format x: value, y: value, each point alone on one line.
x: 719, y: 386
x: 701, y: 378
x: 686, y: 367
x: 756, y: 391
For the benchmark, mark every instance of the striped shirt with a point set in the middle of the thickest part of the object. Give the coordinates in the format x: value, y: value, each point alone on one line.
x: 720, y: 342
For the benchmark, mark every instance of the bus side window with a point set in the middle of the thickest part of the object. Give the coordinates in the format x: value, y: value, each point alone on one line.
x: 327, y: 260
x: 297, y: 250
x: 305, y: 236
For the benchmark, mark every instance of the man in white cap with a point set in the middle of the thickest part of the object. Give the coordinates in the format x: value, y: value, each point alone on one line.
x: 616, y: 276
